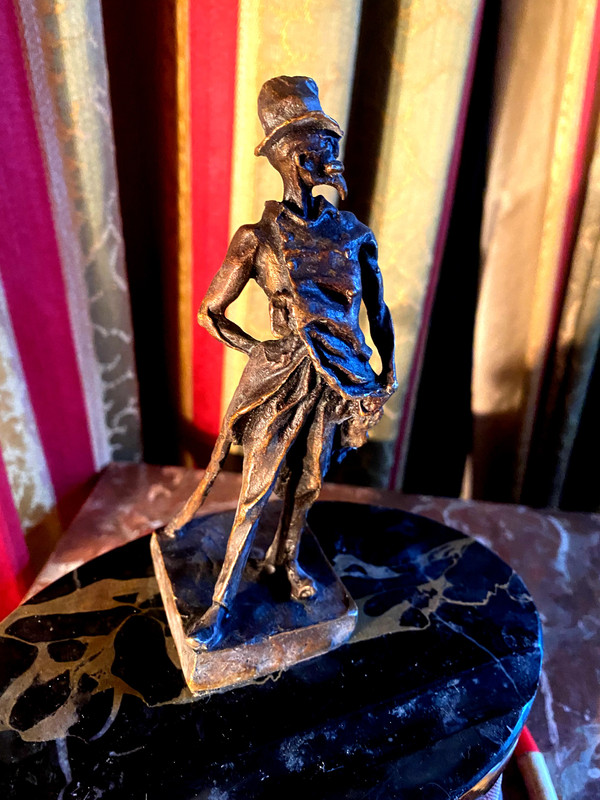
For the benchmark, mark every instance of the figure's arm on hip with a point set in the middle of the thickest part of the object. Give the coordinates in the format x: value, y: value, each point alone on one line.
x: 380, y: 319
x: 226, y: 286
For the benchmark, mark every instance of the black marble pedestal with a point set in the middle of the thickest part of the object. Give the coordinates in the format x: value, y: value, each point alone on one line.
x: 426, y: 698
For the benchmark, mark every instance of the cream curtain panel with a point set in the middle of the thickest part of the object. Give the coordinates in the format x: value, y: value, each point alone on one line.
x: 536, y: 333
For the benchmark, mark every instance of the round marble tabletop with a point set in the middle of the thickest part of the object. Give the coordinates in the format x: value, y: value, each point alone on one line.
x: 425, y: 700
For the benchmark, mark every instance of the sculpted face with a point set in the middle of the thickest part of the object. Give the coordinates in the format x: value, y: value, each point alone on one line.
x: 315, y: 157
x: 318, y: 161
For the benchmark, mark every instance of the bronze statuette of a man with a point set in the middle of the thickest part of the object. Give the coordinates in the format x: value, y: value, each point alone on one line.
x: 310, y: 391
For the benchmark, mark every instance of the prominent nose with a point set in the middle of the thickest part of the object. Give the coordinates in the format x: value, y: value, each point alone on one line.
x: 334, y: 168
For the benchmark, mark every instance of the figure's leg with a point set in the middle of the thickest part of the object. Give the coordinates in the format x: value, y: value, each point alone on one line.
x: 198, y: 496
x: 293, y: 469
x: 266, y: 443
x: 256, y: 488
x: 257, y: 484
x: 304, y: 487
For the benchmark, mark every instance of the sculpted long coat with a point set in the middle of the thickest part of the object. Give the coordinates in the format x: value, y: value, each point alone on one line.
x: 315, y: 274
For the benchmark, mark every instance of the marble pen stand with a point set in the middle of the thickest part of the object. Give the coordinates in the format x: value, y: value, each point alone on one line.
x: 425, y: 701
x: 266, y: 631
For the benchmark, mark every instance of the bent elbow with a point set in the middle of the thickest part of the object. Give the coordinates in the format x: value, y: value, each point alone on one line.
x: 206, y: 317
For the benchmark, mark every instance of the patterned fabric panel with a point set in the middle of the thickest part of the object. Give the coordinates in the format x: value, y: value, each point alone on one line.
x: 68, y: 387
x: 13, y: 551
x: 64, y: 48
x: 24, y: 460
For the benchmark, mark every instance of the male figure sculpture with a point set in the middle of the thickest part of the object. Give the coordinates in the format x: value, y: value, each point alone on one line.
x: 311, y: 389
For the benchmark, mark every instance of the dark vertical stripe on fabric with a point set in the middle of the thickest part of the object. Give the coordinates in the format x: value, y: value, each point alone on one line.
x: 542, y: 485
x: 402, y: 441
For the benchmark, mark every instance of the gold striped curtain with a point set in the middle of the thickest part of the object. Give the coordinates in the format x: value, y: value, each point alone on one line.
x: 428, y: 81
x: 428, y: 56
x: 396, y: 74
x: 537, y: 319
x: 576, y: 353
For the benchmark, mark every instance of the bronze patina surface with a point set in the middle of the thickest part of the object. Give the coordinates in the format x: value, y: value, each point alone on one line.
x: 309, y: 393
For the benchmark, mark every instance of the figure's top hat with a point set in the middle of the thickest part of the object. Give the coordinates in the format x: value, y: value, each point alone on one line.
x: 286, y: 102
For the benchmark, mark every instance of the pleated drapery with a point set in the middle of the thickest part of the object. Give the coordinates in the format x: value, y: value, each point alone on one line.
x: 537, y: 318
x: 423, y: 124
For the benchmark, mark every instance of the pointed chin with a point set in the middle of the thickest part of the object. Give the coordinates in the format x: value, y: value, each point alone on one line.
x: 338, y: 183
x: 341, y: 187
